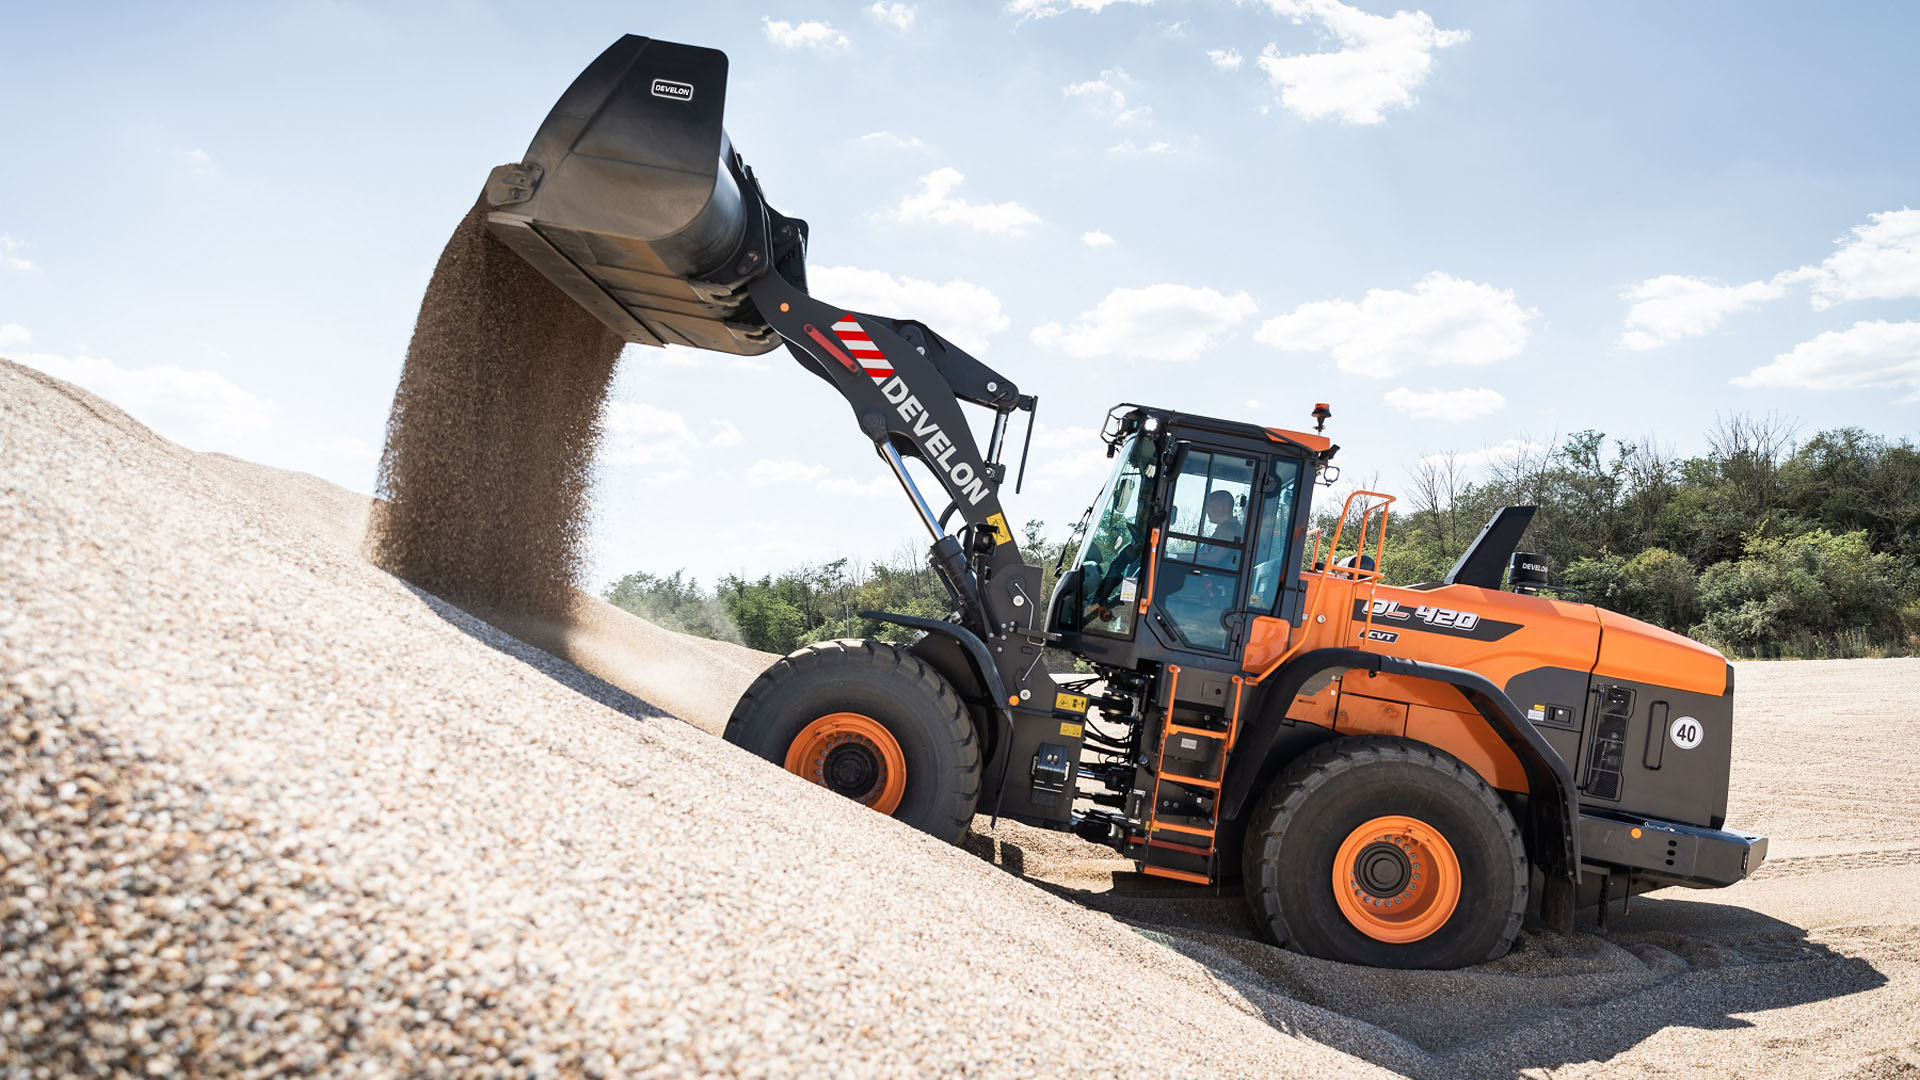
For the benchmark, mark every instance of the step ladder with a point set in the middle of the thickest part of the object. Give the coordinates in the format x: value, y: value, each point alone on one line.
x: 1183, y: 816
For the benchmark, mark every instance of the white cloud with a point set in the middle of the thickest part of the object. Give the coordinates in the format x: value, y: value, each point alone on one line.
x: 1096, y: 239
x: 1106, y: 96
x: 1159, y: 322
x: 200, y: 408
x: 1225, y: 59
x: 1446, y: 404
x: 681, y: 356
x: 1673, y: 306
x: 8, y: 245
x: 770, y: 472
x: 890, y: 141
x: 1875, y: 355
x: 1475, y: 460
x: 1443, y: 320
x: 812, y: 34
x: 1382, y: 59
x: 12, y: 334
x: 678, y: 356
x: 653, y: 441
x: 1127, y: 147
x: 726, y: 433
x: 1876, y: 261
x: 1067, y: 456
x: 1040, y: 9
x: 960, y: 311
x: 877, y: 487
x: 898, y: 16
x: 936, y: 202
x: 348, y: 446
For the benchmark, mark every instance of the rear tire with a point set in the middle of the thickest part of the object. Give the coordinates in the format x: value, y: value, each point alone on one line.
x: 845, y: 698
x: 1431, y: 871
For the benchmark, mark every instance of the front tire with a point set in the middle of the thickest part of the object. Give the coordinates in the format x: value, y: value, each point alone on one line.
x: 1386, y: 852
x: 870, y: 721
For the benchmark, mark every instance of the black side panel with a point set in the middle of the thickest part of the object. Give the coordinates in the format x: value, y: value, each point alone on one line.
x: 1653, y: 751
x: 1484, y: 562
x: 1555, y: 702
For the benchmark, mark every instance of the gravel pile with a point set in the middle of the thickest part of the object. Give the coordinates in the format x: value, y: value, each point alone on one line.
x: 269, y: 811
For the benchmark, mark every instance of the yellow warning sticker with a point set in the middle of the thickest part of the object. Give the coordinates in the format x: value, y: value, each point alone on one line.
x: 1071, y: 731
x: 998, y: 523
x: 1066, y: 702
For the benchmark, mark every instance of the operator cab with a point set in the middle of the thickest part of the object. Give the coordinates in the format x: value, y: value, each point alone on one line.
x: 1196, y: 535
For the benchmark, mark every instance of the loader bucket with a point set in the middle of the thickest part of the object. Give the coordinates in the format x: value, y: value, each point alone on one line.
x: 626, y: 202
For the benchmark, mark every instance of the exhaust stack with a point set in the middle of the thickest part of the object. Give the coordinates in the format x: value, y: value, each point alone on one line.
x: 629, y: 199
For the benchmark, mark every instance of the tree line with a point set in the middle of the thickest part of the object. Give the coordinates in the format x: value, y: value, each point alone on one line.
x: 1762, y: 546
x: 778, y: 613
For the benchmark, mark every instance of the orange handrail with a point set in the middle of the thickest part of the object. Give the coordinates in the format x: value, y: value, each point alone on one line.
x: 1153, y: 564
x: 1317, y: 589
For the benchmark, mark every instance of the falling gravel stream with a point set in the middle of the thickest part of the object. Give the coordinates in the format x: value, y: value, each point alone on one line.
x: 490, y: 443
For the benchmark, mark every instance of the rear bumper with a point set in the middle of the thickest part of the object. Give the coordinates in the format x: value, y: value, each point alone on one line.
x: 1682, y: 854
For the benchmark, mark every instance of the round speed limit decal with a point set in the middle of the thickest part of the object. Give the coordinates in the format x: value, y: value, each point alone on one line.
x: 1685, y: 732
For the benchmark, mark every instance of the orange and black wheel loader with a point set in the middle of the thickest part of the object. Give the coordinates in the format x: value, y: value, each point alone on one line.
x: 1396, y: 775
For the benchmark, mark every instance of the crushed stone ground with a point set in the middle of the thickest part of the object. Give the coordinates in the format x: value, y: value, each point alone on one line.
x: 271, y: 812
x: 265, y: 810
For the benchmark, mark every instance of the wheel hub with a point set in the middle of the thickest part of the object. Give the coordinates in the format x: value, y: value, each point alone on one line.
x: 851, y: 769
x: 1396, y: 879
x: 854, y: 755
x: 1383, y: 870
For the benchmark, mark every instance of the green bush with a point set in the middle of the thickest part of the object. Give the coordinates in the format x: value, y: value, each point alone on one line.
x: 1657, y: 585
x: 675, y: 602
x: 1815, y: 594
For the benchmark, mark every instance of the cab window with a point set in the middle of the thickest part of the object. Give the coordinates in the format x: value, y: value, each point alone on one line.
x: 1205, y: 545
x: 1114, y: 550
x: 1275, y: 523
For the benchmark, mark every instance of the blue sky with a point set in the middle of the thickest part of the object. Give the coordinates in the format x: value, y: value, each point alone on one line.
x: 1465, y: 225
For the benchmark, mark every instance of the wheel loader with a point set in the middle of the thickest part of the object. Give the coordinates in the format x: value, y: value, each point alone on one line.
x: 1395, y: 776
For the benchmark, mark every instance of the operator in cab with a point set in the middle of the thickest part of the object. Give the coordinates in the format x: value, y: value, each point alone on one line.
x: 1223, y: 526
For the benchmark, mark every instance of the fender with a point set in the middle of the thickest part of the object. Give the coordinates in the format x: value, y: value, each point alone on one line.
x: 986, y: 676
x: 1552, y: 803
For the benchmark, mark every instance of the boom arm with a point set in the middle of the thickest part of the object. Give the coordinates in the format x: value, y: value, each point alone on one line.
x: 905, y: 384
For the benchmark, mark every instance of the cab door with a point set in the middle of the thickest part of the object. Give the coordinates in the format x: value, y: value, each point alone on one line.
x: 1200, y: 575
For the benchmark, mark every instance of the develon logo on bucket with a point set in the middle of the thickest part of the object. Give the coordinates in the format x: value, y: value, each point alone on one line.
x: 678, y: 91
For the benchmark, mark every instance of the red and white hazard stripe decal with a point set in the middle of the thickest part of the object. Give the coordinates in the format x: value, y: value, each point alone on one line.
x: 871, y: 360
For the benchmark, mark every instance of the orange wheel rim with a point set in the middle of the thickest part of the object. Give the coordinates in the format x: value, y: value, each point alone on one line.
x: 1397, y: 879
x: 854, y: 755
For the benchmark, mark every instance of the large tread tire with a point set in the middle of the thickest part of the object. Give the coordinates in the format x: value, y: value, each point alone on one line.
x: 916, y: 705
x: 1296, y: 832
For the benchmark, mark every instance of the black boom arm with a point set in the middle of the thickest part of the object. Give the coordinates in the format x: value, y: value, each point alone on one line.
x: 905, y: 385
